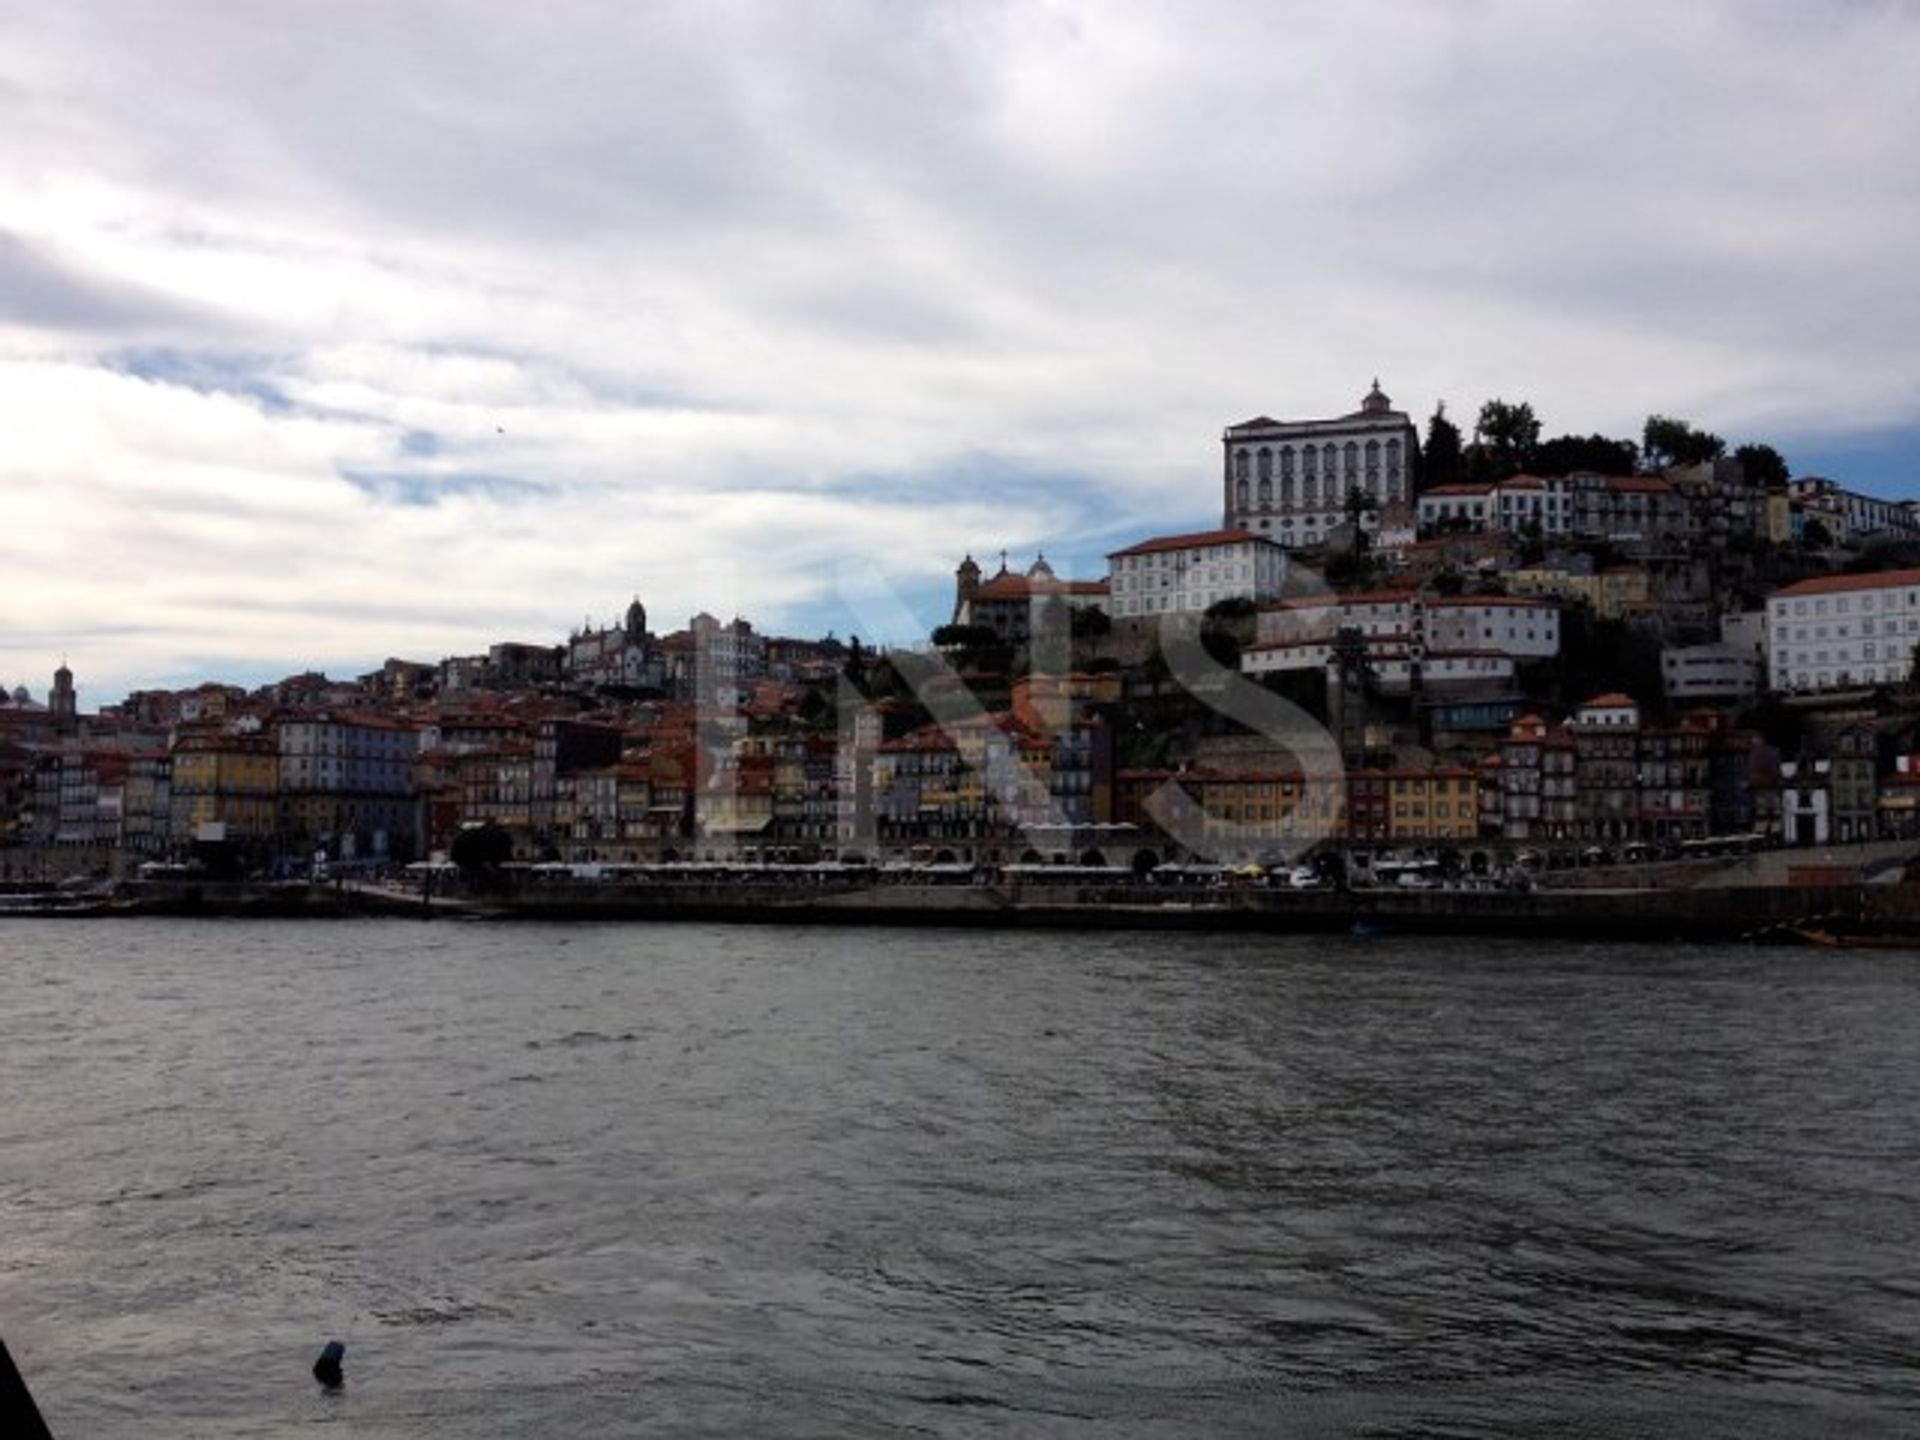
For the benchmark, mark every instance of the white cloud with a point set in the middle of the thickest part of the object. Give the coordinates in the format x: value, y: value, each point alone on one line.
x: 627, y: 289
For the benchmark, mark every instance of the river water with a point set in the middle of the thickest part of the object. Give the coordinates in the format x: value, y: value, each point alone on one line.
x: 706, y: 1180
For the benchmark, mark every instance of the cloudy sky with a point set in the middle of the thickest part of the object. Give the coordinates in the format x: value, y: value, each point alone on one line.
x: 336, y: 331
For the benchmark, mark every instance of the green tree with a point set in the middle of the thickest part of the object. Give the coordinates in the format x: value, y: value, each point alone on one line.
x: 1219, y: 641
x: 1764, y: 466
x: 1599, y: 454
x: 1234, y: 607
x: 1088, y: 622
x: 1359, y: 507
x: 1440, y: 458
x: 1509, y: 435
x: 965, y: 636
x: 1666, y: 441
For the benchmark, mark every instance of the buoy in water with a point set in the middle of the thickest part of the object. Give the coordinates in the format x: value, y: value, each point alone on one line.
x: 327, y: 1368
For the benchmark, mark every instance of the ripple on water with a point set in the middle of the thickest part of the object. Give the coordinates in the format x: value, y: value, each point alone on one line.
x: 697, y: 1180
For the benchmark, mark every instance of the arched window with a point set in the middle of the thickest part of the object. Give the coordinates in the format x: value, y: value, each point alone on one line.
x: 1286, y: 463
x: 1240, y: 491
x: 1266, y: 463
x: 1240, y: 465
x: 1286, y: 486
x: 1266, y: 487
x: 1373, y: 457
x: 1310, y: 489
x: 1310, y: 461
x: 1353, y: 458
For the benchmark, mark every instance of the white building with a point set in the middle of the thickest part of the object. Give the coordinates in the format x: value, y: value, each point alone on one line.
x: 1520, y: 505
x: 1190, y: 572
x: 1535, y: 503
x: 1611, y: 711
x: 1709, y: 672
x: 1449, y: 641
x: 1850, y: 516
x: 1844, y: 631
x: 1459, y: 507
x: 1288, y: 480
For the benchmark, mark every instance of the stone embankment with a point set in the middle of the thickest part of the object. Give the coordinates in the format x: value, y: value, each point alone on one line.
x: 1787, y: 913
x: 1755, y: 901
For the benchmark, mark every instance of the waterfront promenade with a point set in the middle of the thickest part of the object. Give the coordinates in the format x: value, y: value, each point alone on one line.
x: 1855, y: 894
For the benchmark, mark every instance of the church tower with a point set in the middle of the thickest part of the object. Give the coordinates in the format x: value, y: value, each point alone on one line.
x: 966, y: 584
x: 62, y: 704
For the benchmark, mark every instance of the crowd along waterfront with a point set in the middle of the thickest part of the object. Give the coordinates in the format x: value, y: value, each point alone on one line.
x: 602, y: 1180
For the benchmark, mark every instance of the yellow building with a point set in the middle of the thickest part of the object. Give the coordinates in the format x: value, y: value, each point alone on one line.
x: 1611, y: 593
x: 225, y: 786
x: 1426, y: 805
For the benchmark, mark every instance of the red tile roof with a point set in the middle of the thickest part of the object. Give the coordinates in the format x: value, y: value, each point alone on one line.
x: 1355, y: 597
x: 1827, y: 585
x: 1521, y: 602
x: 1022, y: 587
x: 1189, y: 542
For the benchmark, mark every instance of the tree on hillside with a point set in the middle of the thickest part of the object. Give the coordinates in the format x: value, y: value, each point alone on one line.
x: 1359, y: 507
x: 1088, y: 622
x: 1565, y: 454
x: 1764, y: 466
x: 1666, y: 441
x: 1440, y: 459
x: 1509, y: 434
x: 965, y: 636
x: 1234, y: 607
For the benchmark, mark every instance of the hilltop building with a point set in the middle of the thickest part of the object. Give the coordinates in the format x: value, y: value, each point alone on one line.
x: 1288, y: 480
x: 1191, y: 572
x: 1005, y: 602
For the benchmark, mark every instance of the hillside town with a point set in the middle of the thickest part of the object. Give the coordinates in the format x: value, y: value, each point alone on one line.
x: 1576, y: 650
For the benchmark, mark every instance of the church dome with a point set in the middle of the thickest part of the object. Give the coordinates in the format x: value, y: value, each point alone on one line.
x: 1041, y: 570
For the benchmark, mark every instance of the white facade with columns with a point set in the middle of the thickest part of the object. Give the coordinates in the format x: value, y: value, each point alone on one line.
x: 1288, y: 480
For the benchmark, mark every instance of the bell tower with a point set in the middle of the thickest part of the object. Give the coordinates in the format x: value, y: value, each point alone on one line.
x: 62, y: 703
x: 966, y: 584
